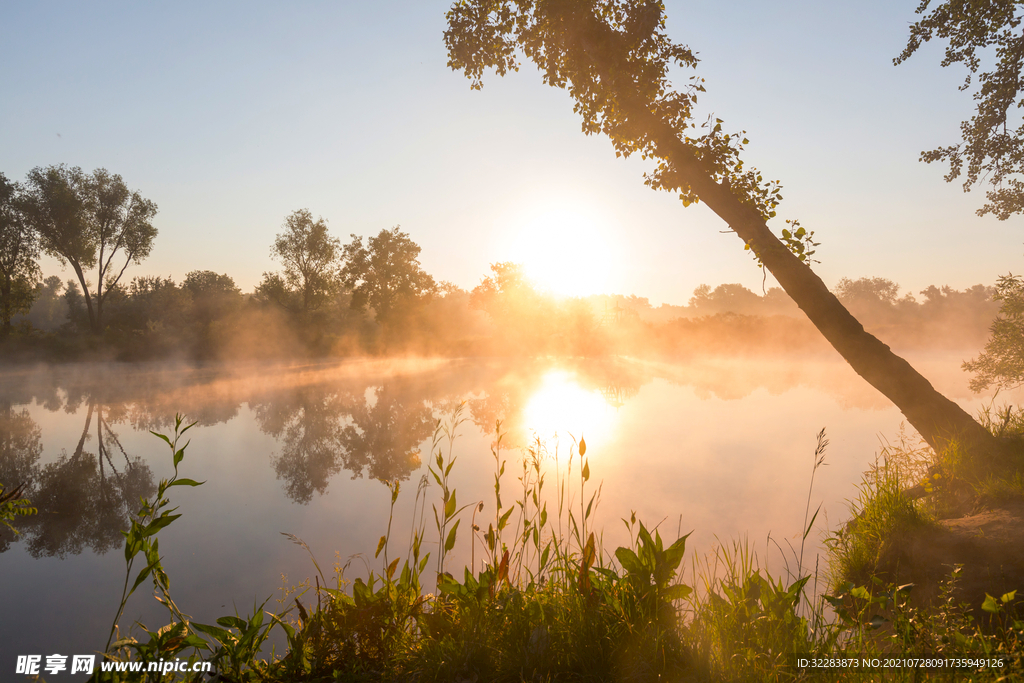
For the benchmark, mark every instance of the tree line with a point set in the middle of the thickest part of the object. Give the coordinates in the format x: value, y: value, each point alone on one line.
x: 94, y: 224
x: 372, y: 296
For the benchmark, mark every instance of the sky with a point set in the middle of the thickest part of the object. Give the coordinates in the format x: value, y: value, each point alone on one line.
x: 232, y: 115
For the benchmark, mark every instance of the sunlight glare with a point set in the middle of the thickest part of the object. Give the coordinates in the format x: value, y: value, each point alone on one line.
x: 560, y: 406
x: 565, y: 251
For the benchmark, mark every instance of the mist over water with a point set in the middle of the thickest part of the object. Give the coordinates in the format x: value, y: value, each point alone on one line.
x: 721, y: 446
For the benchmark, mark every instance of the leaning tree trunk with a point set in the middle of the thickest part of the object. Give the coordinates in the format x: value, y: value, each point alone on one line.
x: 938, y: 419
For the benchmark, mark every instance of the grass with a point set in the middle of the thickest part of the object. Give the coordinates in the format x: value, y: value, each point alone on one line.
x: 883, y: 515
x: 549, y: 603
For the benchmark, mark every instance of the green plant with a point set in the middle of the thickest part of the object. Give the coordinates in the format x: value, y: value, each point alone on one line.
x: 449, y: 505
x: 883, y: 514
x: 142, y: 539
x: 12, y: 506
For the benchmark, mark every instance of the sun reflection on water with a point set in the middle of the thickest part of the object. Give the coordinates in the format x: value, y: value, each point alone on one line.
x: 561, y: 407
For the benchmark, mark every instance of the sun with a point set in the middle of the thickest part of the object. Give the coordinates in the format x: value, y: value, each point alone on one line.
x: 566, y: 251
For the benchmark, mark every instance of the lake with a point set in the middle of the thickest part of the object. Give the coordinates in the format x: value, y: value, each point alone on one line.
x: 722, y: 447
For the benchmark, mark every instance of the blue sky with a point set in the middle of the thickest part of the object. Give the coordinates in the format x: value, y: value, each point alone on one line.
x: 232, y: 115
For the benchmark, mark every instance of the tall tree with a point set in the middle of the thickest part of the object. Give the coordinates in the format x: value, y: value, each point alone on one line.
x: 18, y: 252
x: 613, y: 57
x: 90, y: 220
x: 310, y: 256
x: 385, y: 275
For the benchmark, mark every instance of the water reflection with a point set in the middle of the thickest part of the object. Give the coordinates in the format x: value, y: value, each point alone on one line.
x: 560, y: 403
x: 372, y: 430
x: 20, y: 448
x: 369, y: 419
x: 542, y: 398
x: 308, y: 423
x: 85, y: 499
x: 386, y: 432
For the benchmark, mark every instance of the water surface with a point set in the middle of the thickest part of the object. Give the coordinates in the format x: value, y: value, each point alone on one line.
x: 722, y: 447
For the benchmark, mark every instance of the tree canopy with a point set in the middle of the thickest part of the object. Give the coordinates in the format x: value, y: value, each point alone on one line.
x: 90, y: 220
x: 992, y: 148
x: 311, y: 258
x: 18, y: 253
x: 1001, y: 363
x: 385, y: 275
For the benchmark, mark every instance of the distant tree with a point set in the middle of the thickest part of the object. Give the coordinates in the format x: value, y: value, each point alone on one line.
x: 149, y: 317
x: 504, y: 293
x: 213, y: 296
x: 874, y: 290
x: 732, y: 298
x: 18, y: 252
x: 48, y: 307
x: 446, y: 289
x: 777, y: 301
x: 875, y: 300
x: 385, y: 275
x: 310, y: 256
x: 74, y: 303
x: 1001, y: 363
x: 202, y: 283
x: 526, y: 318
x: 273, y: 289
x: 90, y: 220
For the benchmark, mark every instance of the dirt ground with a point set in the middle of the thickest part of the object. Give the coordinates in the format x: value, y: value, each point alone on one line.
x: 989, y: 544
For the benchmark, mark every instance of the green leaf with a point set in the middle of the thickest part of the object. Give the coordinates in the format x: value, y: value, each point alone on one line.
x: 1007, y: 597
x: 450, y: 541
x: 503, y: 520
x: 225, y: 638
x: 392, y: 567
x: 185, y: 482
x: 380, y: 545
x: 677, y: 592
x: 159, y: 523
x: 449, y: 507
x: 142, y: 576
x: 629, y: 561
x: 161, y: 436
x: 990, y: 605
x: 232, y: 622
x: 132, y: 545
x: 860, y: 592
x: 586, y: 470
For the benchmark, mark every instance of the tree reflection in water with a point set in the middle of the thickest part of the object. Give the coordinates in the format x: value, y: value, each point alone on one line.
x: 386, y: 433
x: 374, y: 430
x: 20, y: 448
x: 84, y: 501
x: 306, y: 420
